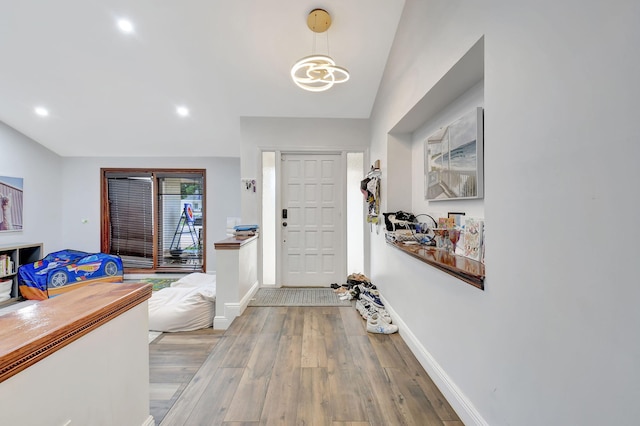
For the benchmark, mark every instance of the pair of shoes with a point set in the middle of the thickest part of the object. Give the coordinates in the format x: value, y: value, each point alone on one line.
x: 371, y: 298
x: 376, y: 325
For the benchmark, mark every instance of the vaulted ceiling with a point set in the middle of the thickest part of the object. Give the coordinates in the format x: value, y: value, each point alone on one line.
x: 114, y: 94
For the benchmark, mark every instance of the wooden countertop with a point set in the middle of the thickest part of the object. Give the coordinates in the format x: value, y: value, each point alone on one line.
x: 233, y: 243
x: 32, y: 333
x: 468, y: 270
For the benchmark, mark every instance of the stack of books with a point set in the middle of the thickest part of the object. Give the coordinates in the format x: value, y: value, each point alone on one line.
x: 245, y: 230
x: 6, y: 265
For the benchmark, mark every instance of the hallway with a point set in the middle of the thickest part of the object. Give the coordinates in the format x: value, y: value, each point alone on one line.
x: 293, y: 366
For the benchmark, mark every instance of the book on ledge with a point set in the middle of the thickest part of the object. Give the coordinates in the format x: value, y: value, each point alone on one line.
x: 245, y: 230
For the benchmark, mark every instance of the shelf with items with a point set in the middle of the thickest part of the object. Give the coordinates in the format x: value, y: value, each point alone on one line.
x: 468, y: 270
x: 12, y: 256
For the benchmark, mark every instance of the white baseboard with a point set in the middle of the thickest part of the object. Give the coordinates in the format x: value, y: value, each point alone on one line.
x: 220, y: 322
x: 458, y: 400
x: 149, y: 421
x: 232, y: 310
x: 247, y: 297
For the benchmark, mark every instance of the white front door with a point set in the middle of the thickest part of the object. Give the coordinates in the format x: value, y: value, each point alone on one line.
x: 312, y: 220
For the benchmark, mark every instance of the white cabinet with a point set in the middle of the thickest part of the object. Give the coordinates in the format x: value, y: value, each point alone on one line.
x: 11, y: 257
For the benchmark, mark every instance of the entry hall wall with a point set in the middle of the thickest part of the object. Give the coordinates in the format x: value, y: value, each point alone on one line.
x: 553, y: 339
x: 290, y: 134
x: 81, y: 200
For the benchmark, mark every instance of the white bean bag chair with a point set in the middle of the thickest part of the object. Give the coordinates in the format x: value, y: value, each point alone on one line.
x: 188, y: 304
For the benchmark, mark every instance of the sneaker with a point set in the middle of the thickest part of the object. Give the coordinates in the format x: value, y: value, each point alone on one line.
x: 366, y: 310
x: 372, y: 291
x: 361, y: 308
x: 376, y: 325
x: 356, y: 292
x: 345, y: 296
x: 372, y: 299
x: 384, y: 315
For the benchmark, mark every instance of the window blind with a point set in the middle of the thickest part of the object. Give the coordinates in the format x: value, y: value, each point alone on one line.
x: 131, y: 224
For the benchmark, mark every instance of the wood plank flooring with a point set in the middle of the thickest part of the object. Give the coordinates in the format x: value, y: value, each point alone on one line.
x: 292, y: 366
x: 174, y: 358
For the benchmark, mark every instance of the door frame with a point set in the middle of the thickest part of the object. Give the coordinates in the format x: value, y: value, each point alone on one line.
x: 343, y: 240
x: 278, y: 151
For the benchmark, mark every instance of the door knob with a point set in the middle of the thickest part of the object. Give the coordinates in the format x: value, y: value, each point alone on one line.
x: 284, y: 224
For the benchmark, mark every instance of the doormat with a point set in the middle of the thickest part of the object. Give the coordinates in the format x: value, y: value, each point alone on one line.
x: 297, y: 297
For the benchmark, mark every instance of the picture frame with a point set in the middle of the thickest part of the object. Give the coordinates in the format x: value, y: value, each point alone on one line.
x: 458, y: 218
x: 11, y: 204
x: 453, y: 159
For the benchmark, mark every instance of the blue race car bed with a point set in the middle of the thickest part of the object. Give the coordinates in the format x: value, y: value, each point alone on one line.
x: 66, y: 270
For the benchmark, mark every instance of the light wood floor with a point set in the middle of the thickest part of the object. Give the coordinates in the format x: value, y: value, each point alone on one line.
x: 292, y: 366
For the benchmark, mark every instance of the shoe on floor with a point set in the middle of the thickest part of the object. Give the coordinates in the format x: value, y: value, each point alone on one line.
x: 372, y: 299
x: 358, y: 278
x: 361, y: 308
x: 345, y: 296
x: 384, y: 315
x: 376, y: 325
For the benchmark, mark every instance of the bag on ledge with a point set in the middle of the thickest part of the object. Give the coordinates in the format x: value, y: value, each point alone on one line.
x: 399, y: 220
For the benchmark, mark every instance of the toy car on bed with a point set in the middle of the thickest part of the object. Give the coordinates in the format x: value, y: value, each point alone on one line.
x: 67, y: 270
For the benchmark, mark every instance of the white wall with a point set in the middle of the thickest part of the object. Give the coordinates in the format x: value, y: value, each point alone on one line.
x: 293, y: 134
x: 41, y: 170
x: 81, y: 200
x: 553, y: 339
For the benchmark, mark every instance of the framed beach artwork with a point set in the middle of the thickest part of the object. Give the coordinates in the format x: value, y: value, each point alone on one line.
x: 454, y: 159
x: 11, y: 196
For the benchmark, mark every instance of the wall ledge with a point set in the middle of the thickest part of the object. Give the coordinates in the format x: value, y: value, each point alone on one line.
x: 31, y: 334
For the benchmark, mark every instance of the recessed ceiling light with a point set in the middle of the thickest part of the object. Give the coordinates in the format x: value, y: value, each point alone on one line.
x: 42, y: 112
x: 125, y: 26
x: 182, y: 111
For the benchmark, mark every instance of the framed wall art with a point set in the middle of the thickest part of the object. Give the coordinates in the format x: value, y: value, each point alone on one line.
x: 11, y: 196
x: 454, y: 159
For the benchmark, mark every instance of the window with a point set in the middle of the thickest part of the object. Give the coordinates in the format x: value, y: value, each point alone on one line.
x: 140, y: 204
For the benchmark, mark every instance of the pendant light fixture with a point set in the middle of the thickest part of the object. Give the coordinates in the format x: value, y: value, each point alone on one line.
x: 317, y: 73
